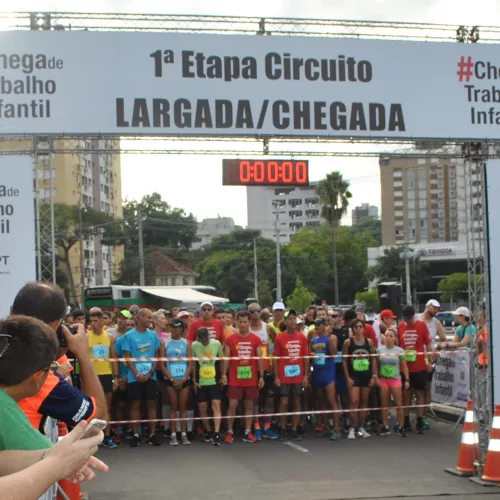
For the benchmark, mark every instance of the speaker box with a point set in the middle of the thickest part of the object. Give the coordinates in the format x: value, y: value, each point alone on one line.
x: 389, y: 295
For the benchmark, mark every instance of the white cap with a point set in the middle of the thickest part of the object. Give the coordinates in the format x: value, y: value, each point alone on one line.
x: 462, y: 311
x: 434, y: 303
x: 278, y: 305
x: 182, y: 314
x: 207, y: 304
x: 299, y: 321
x: 370, y: 317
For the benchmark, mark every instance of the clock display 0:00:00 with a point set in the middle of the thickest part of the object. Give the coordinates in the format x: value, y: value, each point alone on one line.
x: 273, y: 172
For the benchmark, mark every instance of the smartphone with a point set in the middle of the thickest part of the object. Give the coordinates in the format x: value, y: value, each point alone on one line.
x: 94, y: 427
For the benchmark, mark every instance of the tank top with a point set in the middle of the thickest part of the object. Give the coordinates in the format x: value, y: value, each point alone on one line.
x: 264, y: 337
x: 431, y: 325
x: 176, y: 349
x: 99, y: 346
x: 361, y: 366
x: 378, y: 333
x: 320, y: 347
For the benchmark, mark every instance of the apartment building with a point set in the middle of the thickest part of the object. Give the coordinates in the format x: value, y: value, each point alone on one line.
x: 363, y: 212
x: 298, y: 207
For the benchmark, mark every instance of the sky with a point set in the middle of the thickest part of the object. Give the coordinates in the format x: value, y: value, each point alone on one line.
x: 173, y: 175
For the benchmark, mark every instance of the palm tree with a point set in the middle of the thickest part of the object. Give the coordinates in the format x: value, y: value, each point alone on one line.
x: 334, y: 194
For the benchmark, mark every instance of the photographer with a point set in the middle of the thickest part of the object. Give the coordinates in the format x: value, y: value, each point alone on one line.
x: 57, y: 398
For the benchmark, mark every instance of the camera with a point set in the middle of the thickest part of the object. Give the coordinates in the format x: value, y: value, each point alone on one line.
x: 60, y: 334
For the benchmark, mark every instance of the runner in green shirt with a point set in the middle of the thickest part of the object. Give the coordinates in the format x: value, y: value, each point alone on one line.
x: 205, y: 382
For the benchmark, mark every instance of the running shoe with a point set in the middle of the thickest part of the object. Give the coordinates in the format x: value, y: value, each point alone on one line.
x: 109, y: 443
x: 173, y: 440
x: 130, y: 434
x: 229, y: 438
x: 401, y: 432
x: 143, y: 438
x: 334, y: 435
x: 216, y: 439
x: 352, y: 434
x: 384, y: 431
x: 425, y: 424
x: 258, y: 434
x: 420, y: 426
x: 207, y: 438
x: 294, y: 436
x: 283, y: 435
x: 269, y: 434
x: 362, y: 432
x: 185, y: 441
x: 250, y: 438
x: 167, y: 433
x: 134, y: 442
x: 153, y: 440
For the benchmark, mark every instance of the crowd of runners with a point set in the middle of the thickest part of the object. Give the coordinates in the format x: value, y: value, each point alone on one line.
x: 329, y: 368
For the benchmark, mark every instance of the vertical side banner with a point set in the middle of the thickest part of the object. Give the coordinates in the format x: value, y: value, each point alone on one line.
x: 493, y: 235
x: 17, y: 228
x: 451, y: 381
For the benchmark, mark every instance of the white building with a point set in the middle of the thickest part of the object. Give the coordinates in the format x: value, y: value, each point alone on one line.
x: 299, y: 207
x: 208, y: 229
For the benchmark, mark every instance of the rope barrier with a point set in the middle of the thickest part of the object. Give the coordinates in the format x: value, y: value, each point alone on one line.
x: 263, y: 415
x: 246, y: 358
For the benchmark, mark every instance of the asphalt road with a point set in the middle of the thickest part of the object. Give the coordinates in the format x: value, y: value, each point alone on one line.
x: 316, y: 468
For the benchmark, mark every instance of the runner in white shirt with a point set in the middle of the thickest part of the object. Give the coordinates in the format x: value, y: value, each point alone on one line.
x: 266, y: 399
x: 436, y: 329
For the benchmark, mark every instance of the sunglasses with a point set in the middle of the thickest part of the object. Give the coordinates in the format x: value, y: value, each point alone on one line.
x: 206, y: 310
x: 4, y: 343
x: 334, y: 315
x: 255, y: 311
x: 358, y: 327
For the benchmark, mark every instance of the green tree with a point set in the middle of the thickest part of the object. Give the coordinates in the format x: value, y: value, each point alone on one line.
x: 371, y: 226
x: 369, y: 298
x: 334, y: 194
x: 454, y: 287
x: 72, y: 224
x: 301, y: 297
x: 166, y: 229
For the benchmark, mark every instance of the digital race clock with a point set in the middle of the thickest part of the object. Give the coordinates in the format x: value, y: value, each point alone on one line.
x: 265, y: 173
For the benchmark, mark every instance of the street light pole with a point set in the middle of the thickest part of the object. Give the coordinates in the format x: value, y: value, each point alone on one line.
x: 142, y: 277
x: 277, y: 205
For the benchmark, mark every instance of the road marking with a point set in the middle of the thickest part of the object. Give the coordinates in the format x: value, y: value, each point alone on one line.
x: 296, y: 447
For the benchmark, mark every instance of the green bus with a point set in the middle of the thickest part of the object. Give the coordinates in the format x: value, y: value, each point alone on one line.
x: 118, y: 297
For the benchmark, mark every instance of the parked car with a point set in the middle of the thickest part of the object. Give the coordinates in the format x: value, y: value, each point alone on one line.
x: 447, y: 318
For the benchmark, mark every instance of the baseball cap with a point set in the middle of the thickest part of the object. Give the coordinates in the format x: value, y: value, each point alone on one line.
x: 370, y: 316
x: 177, y: 323
x: 126, y: 314
x: 387, y: 313
x: 408, y: 312
x: 182, y: 314
x: 299, y: 321
x: 207, y: 304
x: 321, y: 321
x: 360, y: 308
x: 462, y: 311
x: 434, y: 303
x: 291, y: 311
x: 278, y: 305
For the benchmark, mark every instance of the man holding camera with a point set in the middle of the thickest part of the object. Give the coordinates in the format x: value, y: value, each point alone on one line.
x: 58, y: 399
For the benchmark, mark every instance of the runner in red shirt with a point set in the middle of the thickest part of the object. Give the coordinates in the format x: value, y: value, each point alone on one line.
x: 214, y: 326
x: 246, y: 377
x: 291, y: 374
x: 414, y: 338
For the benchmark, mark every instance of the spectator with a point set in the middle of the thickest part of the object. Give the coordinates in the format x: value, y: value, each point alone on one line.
x: 57, y: 398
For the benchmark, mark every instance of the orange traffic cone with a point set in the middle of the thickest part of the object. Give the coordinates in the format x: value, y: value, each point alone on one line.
x: 70, y: 490
x: 469, y: 445
x: 491, y: 472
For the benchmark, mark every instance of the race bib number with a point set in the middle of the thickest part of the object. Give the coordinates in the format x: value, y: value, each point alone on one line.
x: 144, y: 368
x: 178, y: 370
x: 388, y: 371
x: 361, y: 365
x: 207, y: 372
x: 100, y: 351
x: 319, y: 359
x: 292, y: 371
x: 244, y: 372
x: 338, y: 359
x: 411, y: 356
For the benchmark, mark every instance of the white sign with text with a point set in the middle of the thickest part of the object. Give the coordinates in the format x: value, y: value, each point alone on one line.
x: 199, y: 84
x: 17, y: 228
x: 451, y: 380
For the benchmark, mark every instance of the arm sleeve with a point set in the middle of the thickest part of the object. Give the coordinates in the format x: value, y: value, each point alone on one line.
x: 67, y: 404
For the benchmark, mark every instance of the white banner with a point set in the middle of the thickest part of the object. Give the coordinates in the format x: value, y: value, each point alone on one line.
x: 187, y: 84
x: 17, y: 228
x: 451, y: 381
